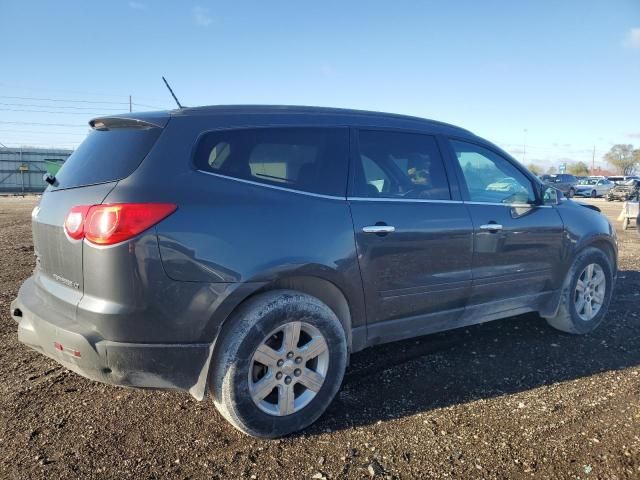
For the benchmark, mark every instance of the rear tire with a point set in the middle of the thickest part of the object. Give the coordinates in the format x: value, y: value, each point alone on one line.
x: 574, y: 315
x: 594, y: 194
x: 266, y: 344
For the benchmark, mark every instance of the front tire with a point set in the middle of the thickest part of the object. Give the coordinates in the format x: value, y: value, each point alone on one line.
x: 278, y: 364
x: 594, y: 194
x: 586, y: 294
x: 571, y: 193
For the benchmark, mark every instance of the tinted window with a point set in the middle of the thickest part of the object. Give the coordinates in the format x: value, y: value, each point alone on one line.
x: 309, y: 159
x: 399, y: 165
x: 106, y: 156
x: 491, y: 178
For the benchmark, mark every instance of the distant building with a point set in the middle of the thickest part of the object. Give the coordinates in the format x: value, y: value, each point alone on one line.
x: 601, y: 172
x: 22, y: 169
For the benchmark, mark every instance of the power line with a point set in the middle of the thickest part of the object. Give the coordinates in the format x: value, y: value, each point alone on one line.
x: 75, y: 92
x: 63, y: 100
x: 46, y: 124
x: 149, y: 106
x: 48, y: 111
x: 41, y: 138
x: 57, y: 106
x: 39, y: 144
x: 40, y: 132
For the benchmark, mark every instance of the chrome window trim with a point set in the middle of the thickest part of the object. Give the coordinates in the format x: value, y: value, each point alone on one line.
x: 418, y: 200
x: 401, y: 200
x: 512, y: 205
x: 275, y: 187
x: 365, y: 199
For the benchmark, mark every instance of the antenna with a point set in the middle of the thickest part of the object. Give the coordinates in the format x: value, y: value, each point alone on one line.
x: 172, y: 94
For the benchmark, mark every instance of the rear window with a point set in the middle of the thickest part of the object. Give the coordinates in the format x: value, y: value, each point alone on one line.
x: 308, y: 159
x: 106, y: 156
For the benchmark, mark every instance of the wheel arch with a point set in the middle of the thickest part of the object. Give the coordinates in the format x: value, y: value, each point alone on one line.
x: 324, y: 290
x: 603, y: 243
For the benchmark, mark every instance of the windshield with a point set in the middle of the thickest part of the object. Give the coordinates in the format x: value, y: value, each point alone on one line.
x: 589, y: 181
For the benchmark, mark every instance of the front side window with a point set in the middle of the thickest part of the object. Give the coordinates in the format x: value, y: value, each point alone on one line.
x: 309, y: 159
x: 399, y: 165
x: 491, y: 178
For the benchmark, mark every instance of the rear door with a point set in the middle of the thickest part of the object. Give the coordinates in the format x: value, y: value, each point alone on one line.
x: 413, y: 237
x: 603, y: 186
x: 517, y: 242
x: 110, y: 152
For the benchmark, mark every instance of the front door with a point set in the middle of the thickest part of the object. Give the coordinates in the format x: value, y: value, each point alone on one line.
x: 414, y: 241
x: 517, y: 241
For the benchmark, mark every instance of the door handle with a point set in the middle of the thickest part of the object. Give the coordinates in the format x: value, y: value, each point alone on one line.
x: 492, y: 227
x: 379, y: 229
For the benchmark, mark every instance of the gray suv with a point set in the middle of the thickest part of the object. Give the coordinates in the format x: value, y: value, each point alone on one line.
x: 564, y: 182
x: 247, y: 251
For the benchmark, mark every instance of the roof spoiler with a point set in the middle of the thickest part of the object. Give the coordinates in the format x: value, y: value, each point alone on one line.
x: 141, y: 121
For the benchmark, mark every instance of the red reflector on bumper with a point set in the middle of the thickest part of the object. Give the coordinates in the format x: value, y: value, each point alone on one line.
x: 67, y: 350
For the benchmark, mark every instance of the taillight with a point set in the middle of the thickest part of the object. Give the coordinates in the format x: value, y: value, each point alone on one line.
x: 74, y: 223
x: 114, y: 223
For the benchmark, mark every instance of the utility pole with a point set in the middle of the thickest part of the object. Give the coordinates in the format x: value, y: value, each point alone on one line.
x: 129, y: 103
x: 593, y: 160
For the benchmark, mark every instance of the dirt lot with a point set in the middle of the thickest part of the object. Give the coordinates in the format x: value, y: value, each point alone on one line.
x: 507, y: 399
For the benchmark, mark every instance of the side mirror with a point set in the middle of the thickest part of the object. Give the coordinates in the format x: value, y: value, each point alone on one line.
x: 550, y: 196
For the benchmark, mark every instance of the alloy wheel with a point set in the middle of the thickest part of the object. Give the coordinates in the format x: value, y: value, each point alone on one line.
x: 590, y: 292
x: 288, y: 368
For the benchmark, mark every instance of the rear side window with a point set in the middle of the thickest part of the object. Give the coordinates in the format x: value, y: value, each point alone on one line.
x: 106, y: 156
x: 308, y: 159
x: 399, y: 165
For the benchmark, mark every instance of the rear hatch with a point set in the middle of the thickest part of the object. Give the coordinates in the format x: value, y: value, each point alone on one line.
x: 112, y: 151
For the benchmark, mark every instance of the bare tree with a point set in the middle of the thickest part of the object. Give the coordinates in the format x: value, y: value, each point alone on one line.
x: 552, y: 170
x: 535, y: 169
x: 579, y: 169
x: 624, y: 158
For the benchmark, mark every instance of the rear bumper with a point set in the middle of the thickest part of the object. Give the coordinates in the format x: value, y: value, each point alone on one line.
x: 165, y: 366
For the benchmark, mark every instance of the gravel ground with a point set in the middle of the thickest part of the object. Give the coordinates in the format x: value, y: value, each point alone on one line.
x: 508, y: 399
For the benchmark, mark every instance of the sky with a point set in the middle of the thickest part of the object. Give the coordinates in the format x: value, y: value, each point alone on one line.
x: 554, y: 78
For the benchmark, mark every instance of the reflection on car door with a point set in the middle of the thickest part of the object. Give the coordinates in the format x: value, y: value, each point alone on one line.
x: 414, y: 241
x: 517, y: 242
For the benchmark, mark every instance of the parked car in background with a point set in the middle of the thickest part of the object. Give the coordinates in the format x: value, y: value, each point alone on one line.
x: 621, y: 179
x: 246, y: 251
x: 594, y: 187
x: 629, y: 190
x: 564, y: 182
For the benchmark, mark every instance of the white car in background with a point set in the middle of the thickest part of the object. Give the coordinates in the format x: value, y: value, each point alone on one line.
x: 622, y: 179
x: 594, y: 187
